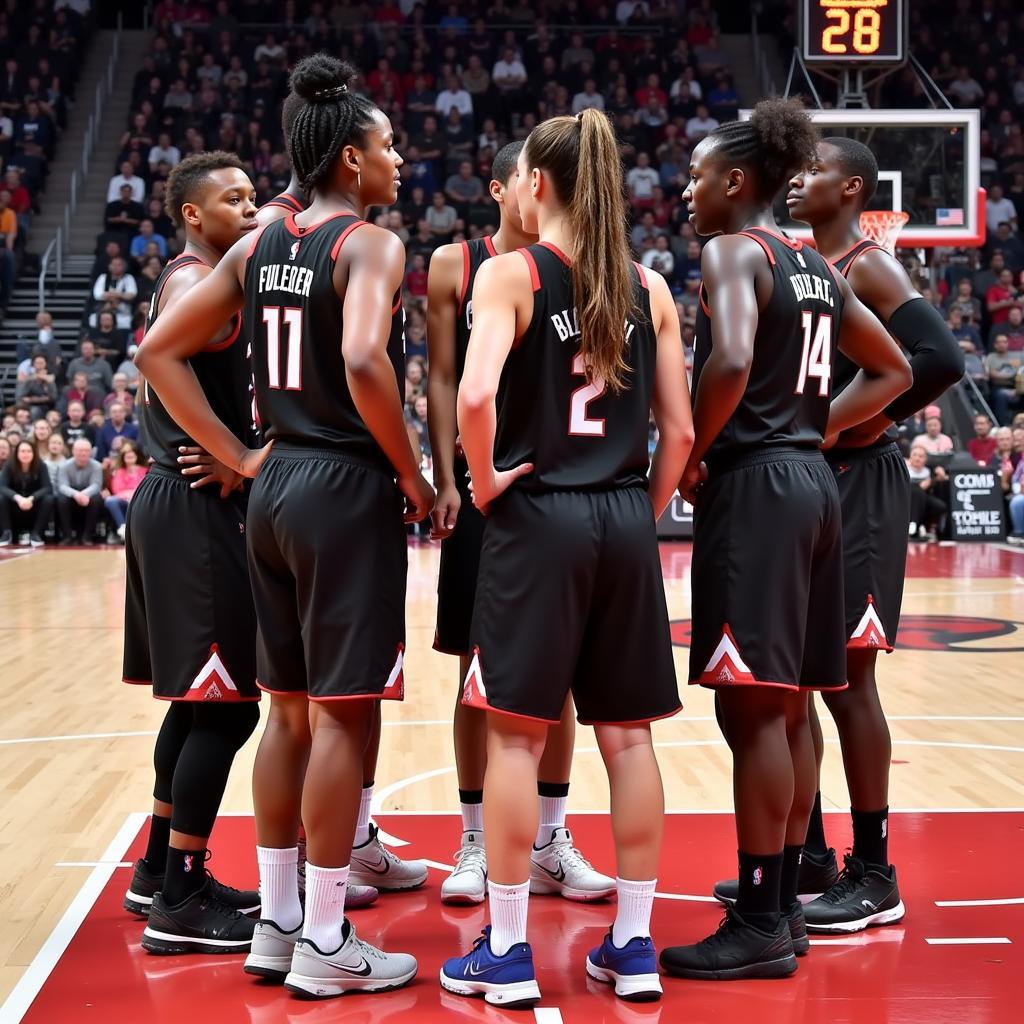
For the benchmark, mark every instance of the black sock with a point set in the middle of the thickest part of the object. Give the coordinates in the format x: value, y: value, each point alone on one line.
x: 555, y: 790
x: 790, y: 873
x: 815, y: 842
x: 185, y: 874
x: 156, y: 849
x: 760, y: 881
x: 471, y: 796
x: 871, y: 836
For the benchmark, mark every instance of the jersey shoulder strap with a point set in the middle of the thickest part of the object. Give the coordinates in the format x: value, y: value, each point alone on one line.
x: 185, y: 259
x: 286, y: 201
x: 845, y: 262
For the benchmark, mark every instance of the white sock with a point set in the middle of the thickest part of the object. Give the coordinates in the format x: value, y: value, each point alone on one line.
x: 325, y: 906
x: 508, y: 905
x: 279, y: 886
x: 552, y: 816
x: 633, y: 915
x: 472, y: 817
x: 363, y: 821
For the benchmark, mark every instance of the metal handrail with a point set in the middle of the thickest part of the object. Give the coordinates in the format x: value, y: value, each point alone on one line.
x: 44, y: 262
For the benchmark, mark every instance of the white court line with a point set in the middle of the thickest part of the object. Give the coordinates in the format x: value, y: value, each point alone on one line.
x: 1001, y: 941
x: 1016, y: 901
x: 77, y: 736
x: 43, y: 963
x: 685, y: 897
x: 92, y: 863
x: 547, y: 1015
x: 573, y: 812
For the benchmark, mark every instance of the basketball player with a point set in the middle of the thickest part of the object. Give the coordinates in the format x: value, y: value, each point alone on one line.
x: 190, y: 627
x: 556, y: 865
x: 767, y: 617
x: 323, y: 291
x: 572, y: 346
x: 874, y: 493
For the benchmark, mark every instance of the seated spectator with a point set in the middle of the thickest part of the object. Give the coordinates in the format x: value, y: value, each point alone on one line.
x: 41, y: 433
x: 588, y: 98
x: 79, y: 482
x: 120, y: 393
x: 5, y: 451
x: 1002, y: 297
x: 126, y: 176
x: 1010, y: 245
x: 1012, y: 328
x: 75, y: 427
x: 454, y: 95
x: 117, y: 289
x: 124, y: 215
x: 38, y: 392
x: 464, y: 189
x: 147, y: 234
x: 79, y: 390
x: 162, y: 223
x: 1003, y: 459
x: 933, y: 440
x: 56, y: 453
x: 416, y: 279
x: 999, y: 209
x: 974, y: 366
x: 441, y: 217
x: 26, y: 497
x: 641, y: 181
x: 108, y: 340
x: 965, y: 301
x: 963, y: 330
x: 21, y: 198
x: 117, y: 426
x: 164, y: 151
x: 126, y: 477
x: 129, y: 370
x: 701, y: 124
x: 983, y: 444
x: 96, y: 369
x: 8, y: 240
x: 660, y: 258
x: 927, y: 513
x: 1002, y: 369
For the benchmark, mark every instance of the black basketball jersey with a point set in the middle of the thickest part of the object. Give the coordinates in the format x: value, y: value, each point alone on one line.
x: 474, y: 253
x: 786, y: 402
x: 222, y: 371
x: 295, y: 321
x: 578, y: 435
x: 293, y: 204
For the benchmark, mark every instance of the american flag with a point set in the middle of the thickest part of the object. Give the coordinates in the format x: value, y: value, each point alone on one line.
x: 949, y: 218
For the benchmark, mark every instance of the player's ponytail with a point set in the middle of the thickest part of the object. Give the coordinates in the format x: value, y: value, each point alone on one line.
x: 777, y: 141
x: 581, y: 157
x: 329, y: 116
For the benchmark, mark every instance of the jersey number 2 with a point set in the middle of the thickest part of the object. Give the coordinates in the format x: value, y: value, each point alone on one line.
x: 580, y: 424
x: 291, y: 317
x: 816, y: 359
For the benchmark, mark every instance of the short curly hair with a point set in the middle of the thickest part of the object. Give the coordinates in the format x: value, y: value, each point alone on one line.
x: 191, y: 175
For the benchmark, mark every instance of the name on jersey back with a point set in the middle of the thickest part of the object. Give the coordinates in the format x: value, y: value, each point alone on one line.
x: 810, y: 286
x: 278, y: 277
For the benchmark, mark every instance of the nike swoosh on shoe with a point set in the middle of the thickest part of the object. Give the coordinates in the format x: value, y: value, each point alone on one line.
x: 361, y: 971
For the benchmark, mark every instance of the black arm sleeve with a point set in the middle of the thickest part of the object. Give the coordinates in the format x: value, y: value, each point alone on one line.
x: 934, y: 354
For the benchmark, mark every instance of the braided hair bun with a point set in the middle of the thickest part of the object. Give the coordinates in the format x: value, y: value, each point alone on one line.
x: 321, y: 78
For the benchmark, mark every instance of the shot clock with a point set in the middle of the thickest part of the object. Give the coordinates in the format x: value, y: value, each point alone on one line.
x: 848, y: 32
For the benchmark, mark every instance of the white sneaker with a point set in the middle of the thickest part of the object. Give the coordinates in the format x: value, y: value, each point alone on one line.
x: 121, y: 531
x: 271, y: 952
x: 468, y: 881
x: 559, y: 867
x: 355, y: 966
x: 374, y: 865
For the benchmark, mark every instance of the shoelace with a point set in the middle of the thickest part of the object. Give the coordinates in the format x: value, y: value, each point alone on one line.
x: 469, y: 857
x: 569, y: 855
x: 723, y: 932
x: 845, y: 886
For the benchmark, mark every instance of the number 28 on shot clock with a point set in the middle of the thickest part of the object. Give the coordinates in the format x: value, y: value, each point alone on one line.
x: 854, y: 31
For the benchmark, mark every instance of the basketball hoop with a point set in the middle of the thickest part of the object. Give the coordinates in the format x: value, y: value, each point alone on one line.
x: 883, y: 227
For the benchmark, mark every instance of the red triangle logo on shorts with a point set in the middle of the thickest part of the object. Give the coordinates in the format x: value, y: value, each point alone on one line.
x: 474, y: 693
x: 726, y: 665
x: 870, y: 633
x: 213, y: 681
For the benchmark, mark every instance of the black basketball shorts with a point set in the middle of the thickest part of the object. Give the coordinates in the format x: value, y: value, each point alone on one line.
x: 874, y: 494
x: 460, y: 565
x: 570, y: 597
x: 327, y: 556
x: 768, y: 575
x: 189, y: 622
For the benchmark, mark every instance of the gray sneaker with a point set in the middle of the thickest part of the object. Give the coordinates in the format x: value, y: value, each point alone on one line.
x: 355, y: 966
x: 271, y: 951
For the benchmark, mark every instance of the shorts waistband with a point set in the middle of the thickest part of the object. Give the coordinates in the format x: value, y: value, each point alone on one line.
x: 167, y: 474
x: 286, y: 450
x: 872, y: 451
x: 765, y: 456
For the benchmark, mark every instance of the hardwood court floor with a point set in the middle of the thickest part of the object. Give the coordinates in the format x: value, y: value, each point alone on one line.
x: 76, y: 744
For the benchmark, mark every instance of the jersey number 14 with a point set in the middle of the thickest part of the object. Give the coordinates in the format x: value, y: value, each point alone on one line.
x: 816, y: 358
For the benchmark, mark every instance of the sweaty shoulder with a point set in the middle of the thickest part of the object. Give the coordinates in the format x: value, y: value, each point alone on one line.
x: 445, y: 271
x: 510, y: 269
x: 879, y: 281
x: 180, y: 281
x: 726, y: 254
x: 368, y: 241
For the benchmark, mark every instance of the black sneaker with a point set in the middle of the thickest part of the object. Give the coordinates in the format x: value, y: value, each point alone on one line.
x: 818, y: 873
x: 146, y: 884
x: 865, y: 896
x: 199, y: 924
x: 5, y: 539
x: 736, y: 950
x: 794, y: 917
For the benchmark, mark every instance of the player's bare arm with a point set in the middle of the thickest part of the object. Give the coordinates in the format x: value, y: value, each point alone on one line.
x: 367, y: 276
x: 670, y: 399
x: 884, y: 371
x: 183, y: 330
x: 732, y: 266
x: 502, y: 308
x: 443, y: 281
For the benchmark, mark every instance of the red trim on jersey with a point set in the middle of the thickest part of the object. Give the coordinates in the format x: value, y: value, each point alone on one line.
x: 286, y: 201
x: 792, y: 687
x: 764, y: 245
x: 849, y: 266
x: 220, y: 346
x: 793, y: 243
x: 336, y: 248
x: 630, y: 721
x: 398, y: 302
x: 532, y: 264
x: 256, y: 236
x: 558, y: 252
x: 137, y: 682
x: 189, y: 700
x: 489, y: 245
x: 184, y: 259
x: 702, y: 294
x: 643, y: 274
x: 465, y: 275
x: 302, y: 232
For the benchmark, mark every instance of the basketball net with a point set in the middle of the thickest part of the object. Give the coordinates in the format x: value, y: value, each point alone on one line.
x: 883, y: 227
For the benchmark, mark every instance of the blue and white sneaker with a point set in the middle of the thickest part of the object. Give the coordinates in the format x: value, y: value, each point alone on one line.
x: 508, y: 980
x: 633, y: 969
